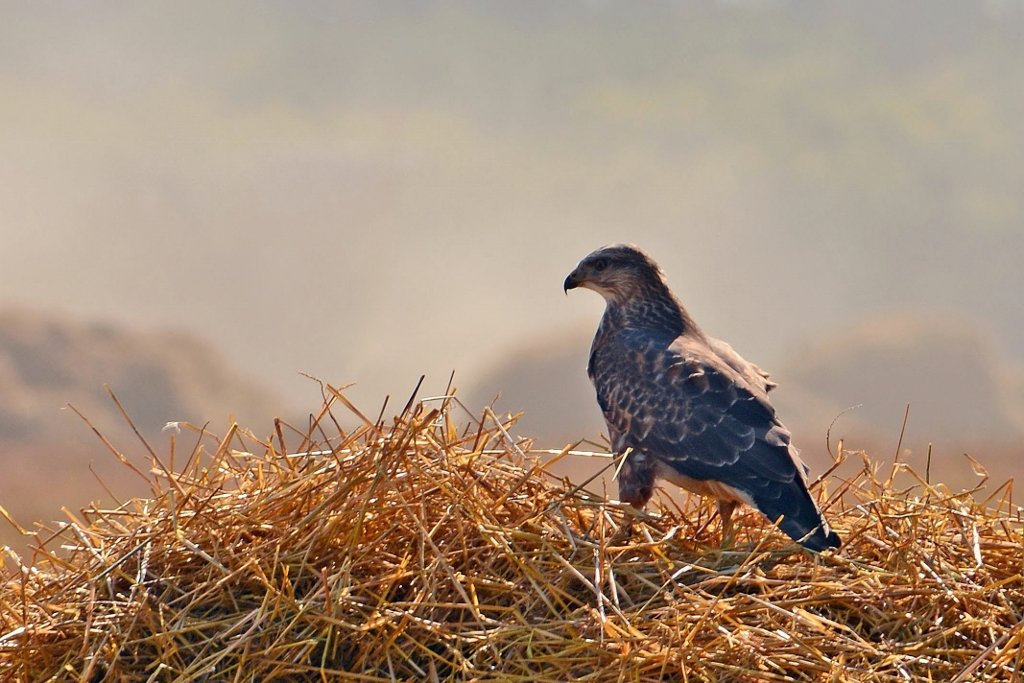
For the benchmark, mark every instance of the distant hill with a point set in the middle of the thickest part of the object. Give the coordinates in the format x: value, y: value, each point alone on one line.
x: 48, y: 360
x: 958, y: 385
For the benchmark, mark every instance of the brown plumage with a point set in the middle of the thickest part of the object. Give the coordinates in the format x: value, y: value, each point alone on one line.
x: 690, y: 409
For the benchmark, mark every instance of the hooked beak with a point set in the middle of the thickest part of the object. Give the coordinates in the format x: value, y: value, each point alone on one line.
x: 571, y: 282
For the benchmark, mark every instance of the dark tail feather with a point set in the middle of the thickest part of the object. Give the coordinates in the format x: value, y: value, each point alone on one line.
x: 800, y: 518
x: 816, y: 538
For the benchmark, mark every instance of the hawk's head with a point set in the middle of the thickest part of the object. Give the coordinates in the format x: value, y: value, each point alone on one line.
x: 616, y: 272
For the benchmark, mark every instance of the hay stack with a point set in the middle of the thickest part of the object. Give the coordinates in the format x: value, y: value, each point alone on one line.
x: 420, y: 551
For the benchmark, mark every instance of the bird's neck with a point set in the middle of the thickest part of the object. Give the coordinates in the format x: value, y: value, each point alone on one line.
x: 655, y: 309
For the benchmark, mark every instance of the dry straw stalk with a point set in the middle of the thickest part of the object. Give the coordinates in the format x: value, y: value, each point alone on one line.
x: 418, y: 550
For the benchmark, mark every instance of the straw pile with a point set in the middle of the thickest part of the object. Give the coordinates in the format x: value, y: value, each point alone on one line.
x: 413, y: 549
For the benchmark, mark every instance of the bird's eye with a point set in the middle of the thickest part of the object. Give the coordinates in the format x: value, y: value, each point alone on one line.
x: 600, y: 264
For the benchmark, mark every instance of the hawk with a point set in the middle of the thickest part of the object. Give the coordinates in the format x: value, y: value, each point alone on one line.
x: 687, y: 408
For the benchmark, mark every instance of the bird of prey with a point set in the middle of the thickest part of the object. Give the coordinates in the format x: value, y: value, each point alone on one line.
x: 687, y: 408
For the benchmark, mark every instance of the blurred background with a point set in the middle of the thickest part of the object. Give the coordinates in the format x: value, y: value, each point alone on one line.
x: 200, y: 201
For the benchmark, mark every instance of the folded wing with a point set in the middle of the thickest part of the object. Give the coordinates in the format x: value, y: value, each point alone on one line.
x: 708, y: 417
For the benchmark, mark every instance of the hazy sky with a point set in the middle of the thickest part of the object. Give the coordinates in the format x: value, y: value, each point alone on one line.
x: 370, y: 191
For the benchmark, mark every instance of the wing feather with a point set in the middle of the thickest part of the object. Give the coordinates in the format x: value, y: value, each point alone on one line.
x: 677, y: 400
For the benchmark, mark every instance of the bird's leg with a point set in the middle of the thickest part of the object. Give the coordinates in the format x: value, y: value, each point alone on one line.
x: 725, y: 510
x: 636, y: 479
x: 636, y: 485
